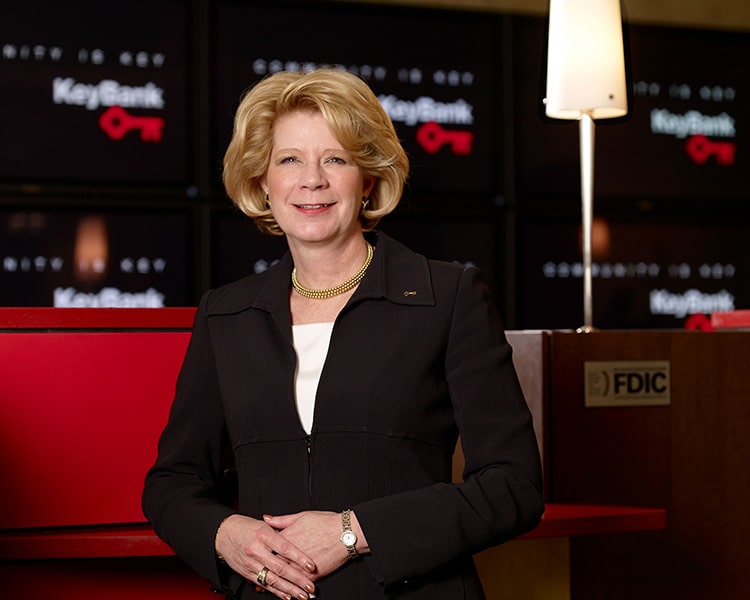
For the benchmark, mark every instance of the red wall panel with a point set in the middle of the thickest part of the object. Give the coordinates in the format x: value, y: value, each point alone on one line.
x: 80, y: 416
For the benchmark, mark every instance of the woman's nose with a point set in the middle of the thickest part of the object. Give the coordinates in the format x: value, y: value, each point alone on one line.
x: 313, y: 176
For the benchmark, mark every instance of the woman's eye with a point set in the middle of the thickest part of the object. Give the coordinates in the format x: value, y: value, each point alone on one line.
x: 287, y: 159
x: 337, y: 160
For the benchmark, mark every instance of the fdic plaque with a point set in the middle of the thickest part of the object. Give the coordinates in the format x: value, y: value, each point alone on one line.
x: 627, y: 383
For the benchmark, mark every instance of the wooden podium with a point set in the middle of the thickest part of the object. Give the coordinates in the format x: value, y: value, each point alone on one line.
x: 690, y: 457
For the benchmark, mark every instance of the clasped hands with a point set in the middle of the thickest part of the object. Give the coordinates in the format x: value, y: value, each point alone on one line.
x: 286, y: 554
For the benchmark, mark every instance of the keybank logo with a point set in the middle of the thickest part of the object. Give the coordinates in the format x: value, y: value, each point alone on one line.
x: 627, y: 383
x: 108, y: 297
x: 108, y: 92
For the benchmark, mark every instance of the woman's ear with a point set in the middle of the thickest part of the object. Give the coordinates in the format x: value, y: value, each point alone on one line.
x: 368, y: 186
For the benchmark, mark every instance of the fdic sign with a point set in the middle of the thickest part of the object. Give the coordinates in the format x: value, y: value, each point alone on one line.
x: 627, y: 383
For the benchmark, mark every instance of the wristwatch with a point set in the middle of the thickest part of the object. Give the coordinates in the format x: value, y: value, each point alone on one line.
x: 348, y: 537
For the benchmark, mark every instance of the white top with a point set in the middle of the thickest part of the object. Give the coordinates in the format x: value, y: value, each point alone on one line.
x: 311, y: 343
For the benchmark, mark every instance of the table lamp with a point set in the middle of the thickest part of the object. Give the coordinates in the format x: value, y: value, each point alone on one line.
x: 586, y: 81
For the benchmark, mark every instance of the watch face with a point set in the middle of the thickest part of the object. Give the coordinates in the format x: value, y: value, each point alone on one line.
x: 349, y: 538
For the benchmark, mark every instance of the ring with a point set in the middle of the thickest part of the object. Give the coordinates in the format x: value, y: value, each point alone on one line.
x: 261, y: 579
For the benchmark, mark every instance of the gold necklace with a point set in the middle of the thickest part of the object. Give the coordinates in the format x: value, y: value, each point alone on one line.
x: 338, y: 289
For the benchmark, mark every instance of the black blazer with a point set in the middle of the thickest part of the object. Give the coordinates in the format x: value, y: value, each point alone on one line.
x: 417, y: 357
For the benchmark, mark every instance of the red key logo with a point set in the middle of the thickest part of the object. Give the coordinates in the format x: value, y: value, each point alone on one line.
x: 431, y: 136
x: 116, y: 122
x: 700, y: 149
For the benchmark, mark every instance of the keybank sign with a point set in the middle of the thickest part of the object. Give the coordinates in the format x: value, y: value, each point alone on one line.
x: 108, y: 297
x: 627, y: 383
x: 425, y: 109
x: 66, y: 90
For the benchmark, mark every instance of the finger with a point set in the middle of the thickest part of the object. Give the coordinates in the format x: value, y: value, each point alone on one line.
x: 290, y: 579
x: 282, y: 548
x: 268, y: 547
x: 280, y: 568
x: 281, y: 587
x: 272, y: 552
x: 281, y: 521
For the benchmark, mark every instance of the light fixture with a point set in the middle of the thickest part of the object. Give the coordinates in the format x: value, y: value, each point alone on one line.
x: 586, y: 81
x: 91, y: 249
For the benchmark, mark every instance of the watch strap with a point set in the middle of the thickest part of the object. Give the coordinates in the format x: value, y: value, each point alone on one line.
x: 346, y: 527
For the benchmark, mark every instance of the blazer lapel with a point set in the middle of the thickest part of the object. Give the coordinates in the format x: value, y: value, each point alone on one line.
x: 397, y: 274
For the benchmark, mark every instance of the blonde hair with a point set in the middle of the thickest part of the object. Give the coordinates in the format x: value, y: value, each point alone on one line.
x: 355, y: 117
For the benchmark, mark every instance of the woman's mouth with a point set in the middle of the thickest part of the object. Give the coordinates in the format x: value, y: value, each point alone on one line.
x: 312, y: 206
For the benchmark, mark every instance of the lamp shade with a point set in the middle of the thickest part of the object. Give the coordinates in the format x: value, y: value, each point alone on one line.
x: 585, y: 60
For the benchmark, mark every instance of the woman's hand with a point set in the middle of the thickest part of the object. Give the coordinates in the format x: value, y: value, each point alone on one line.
x: 318, y: 534
x: 250, y: 546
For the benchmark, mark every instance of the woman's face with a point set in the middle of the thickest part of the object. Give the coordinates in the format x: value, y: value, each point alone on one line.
x: 314, y: 187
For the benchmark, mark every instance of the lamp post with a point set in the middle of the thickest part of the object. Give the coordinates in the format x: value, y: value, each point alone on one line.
x: 586, y: 81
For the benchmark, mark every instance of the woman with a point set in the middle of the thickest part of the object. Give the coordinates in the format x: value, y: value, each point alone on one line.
x: 338, y: 380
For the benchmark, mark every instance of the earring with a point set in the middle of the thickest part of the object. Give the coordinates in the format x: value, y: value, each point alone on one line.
x: 365, y: 201
x: 268, y: 204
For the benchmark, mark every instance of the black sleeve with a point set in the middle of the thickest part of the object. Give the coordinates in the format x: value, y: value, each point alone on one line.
x: 414, y: 532
x: 182, y: 492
